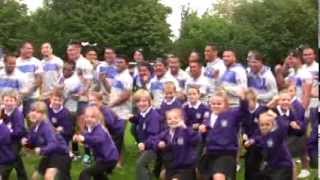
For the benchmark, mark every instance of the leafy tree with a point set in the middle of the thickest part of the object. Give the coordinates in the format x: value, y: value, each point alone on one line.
x: 127, y: 25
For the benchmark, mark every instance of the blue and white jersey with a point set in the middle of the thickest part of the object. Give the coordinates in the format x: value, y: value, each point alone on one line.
x: 52, y: 71
x: 234, y: 78
x: 14, y: 81
x: 214, y: 72
x: 181, y: 77
x: 202, y: 83
x: 122, y: 82
x: 71, y: 86
x: 263, y: 83
x: 299, y: 77
x: 157, y: 88
x: 30, y: 68
x: 84, y: 68
x: 110, y: 70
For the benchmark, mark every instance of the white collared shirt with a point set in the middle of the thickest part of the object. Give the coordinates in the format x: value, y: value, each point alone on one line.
x: 56, y: 110
x: 145, y: 113
x: 169, y: 102
x: 252, y: 111
x: 196, y: 106
x: 287, y: 113
x: 213, y: 119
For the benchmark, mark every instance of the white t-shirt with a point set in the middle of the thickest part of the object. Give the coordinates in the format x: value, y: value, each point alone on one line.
x: 157, y: 87
x: 30, y: 68
x: 299, y: 78
x: 14, y: 81
x: 84, y: 68
x: 52, y: 71
x: 71, y: 86
x: 202, y: 83
x: 215, y: 67
x: 234, y: 78
x: 181, y: 77
x: 122, y: 82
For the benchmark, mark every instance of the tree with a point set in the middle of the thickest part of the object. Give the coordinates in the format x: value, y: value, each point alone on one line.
x: 128, y: 25
x: 271, y: 26
x: 14, y: 24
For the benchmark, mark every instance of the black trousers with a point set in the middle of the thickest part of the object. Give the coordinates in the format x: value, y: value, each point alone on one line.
x: 277, y: 174
x: 98, y: 171
x: 253, y: 160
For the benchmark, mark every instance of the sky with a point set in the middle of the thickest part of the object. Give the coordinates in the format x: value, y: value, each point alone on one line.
x: 174, y: 19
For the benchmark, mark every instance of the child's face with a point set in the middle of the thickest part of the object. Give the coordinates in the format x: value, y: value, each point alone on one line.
x: 285, y: 101
x: 266, y: 125
x: 35, y: 116
x: 174, y: 119
x: 218, y: 104
x: 193, y: 96
x: 68, y: 70
x: 9, y: 103
x: 143, y: 104
x: 90, y: 118
x: 292, y: 91
x: 56, y: 102
x: 169, y: 93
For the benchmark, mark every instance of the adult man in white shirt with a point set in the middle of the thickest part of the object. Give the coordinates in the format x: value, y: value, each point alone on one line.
x: 32, y: 70
x: 157, y: 82
x: 234, y: 79
x: 52, y: 69
x: 260, y: 78
x: 215, y: 66
x: 176, y: 71
x: 198, y: 80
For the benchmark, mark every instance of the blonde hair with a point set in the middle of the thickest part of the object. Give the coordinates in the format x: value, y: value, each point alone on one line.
x: 251, y: 95
x: 13, y: 94
x: 195, y: 88
x: 176, y: 111
x: 40, y: 107
x: 223, y: 94
x: 97, y: 114
x: 141, y: 93
x: 268, y: 115
x: 170, y: 85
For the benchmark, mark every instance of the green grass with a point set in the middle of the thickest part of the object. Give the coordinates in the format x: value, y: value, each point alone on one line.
x: 126, y: 173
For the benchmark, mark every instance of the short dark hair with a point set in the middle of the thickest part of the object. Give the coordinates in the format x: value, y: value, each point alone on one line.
x: 7, y: 55
x: 213, y: 46
x: 257, y: 56
x: 124, y: 57
x: 147, y: 65
x: 161, y: 60
x: 231, y: 50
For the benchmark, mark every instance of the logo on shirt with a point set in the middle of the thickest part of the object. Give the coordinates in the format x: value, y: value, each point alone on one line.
x: 206, y: 115
x: 144, y: 126
x: 180, y: 141
x: 256, y: 120
x: 224, y: 123
x: 54, y: 120
x: 198, y: 115
x: 9, y: 126
x: 270, y: 143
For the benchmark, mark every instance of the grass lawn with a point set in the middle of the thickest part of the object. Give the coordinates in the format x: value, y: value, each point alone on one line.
x: 126, y: 173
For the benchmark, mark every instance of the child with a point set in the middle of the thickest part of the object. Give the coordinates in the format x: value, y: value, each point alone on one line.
x: 59, y: 116
x: 48, y: 144
x: 170, y: 98
x: 115, y: 126
x: 253, y: 156
x: 7, y: 155
x: 272, y: 141
x: 195, y: 111
x: 177, y: 145
x: 221, y: 130
x: 98, y: 138
x: 13, y: 118
x: 147, y: 124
